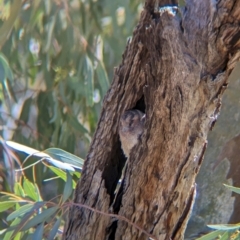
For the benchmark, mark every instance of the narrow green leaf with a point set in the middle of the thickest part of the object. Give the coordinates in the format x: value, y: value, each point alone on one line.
x: 54, y: 230
x: 59, y: 172
x: 234, y: 189
x: 26, y: 110
x: 26, y: 218
x: 6, y: 198
x: 19, y: 190
x: 6, y: 205
x: 75, y: 124
x: 7, y: 26
x: 2, y: 231
x: 38, y: 234
x: 224, y: 227
x: 24, y: 209
x: 38, y: 192
x: 78, y: 174
x: 225, y: 236
x: 55, y: 112
x: 5, y: 70
x: 50, y: 28
x: 102, y: 77
x: 6, y: 75
x: 68, y: 188
x: 60, y: 164
x: 88, y: 78
x: 40, y: 218
x: 210, y: 236
x: 9, y: 234
x: 65, y: 157
x: 18, y: 236
x: 30, y: 189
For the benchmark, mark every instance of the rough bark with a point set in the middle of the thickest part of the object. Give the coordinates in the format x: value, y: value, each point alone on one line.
x: 175, y: 69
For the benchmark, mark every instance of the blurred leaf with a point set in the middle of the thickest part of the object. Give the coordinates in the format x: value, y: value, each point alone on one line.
x: 8, y: 235
x: 21, y: 211
x: 225, y: 236
x: 50, y: 27
x: 18, y: 236
x: 210, y: 236
x: 54, y: 230
x: 75, y: 124
x: 40, y: 218
x: 78, y: 174
x: 65, y: 157
x: 59, y: 172
x: 224, y: 226
x: 68, y: 188
x: 6, y: 205
x: 28, y: 150
x: 60, y: 164
x: 24, y: 209
x: 5, y: 70
x: 38, y: 234
x: 8, y: 24
x: 30, y: 189
x: 102, y: 77
x: 234, y: 189
x: 55, y: 112
x: 6, y: 75
x: 26, y: 110
x: 88, y: 78
x: 11, y: 196
x: 18, y: 190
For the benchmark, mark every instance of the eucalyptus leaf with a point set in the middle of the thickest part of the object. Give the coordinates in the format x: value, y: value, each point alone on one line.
x: 7, y: 26
x: 60, y: 164
x: 28, y: 150
x: 50, y: 28
x: 6, y: 205
x: 225, y: 236
x: 88, y: 78
x: 19, y: 212
x: 19, y: 190
x: 102, y: 77
x: 60, y: 173
x: 224, y: 226
x: 38, y: 233
x: 30, y: 207
x: 211, y: 235
x: 65, y: 157
x: 68, y: 188
x: 9, y: 234
x: 54, y: 230
x: 30, y: 189
x: 75, y: 124
x: 234, y: 189
x: 40, y: 218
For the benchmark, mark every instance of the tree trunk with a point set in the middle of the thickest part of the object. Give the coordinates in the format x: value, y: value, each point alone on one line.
x: 175, y: 69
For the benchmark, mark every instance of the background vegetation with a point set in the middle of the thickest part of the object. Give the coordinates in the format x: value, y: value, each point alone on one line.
x: 56, y: 63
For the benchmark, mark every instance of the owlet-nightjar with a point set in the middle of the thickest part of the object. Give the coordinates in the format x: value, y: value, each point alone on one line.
x: 130, y: 129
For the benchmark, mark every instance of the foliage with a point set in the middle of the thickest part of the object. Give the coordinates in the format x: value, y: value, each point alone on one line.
x: 56, y: 59
x: 224, y: 231
x: 29, y: 214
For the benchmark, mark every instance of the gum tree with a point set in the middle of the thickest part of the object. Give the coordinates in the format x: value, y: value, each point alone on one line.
x: 175, y: 69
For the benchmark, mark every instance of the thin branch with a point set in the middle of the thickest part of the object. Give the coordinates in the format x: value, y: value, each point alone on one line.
x: 119, y: 217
